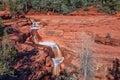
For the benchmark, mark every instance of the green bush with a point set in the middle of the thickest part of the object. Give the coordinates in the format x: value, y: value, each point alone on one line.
x: 7, y: 56
x: 64, y: 8
x: 108, y: 36
x: 66, y: 75
x: 1, y: 9
x: 106, y: 9
x: 59, y: 6
x: 86, y: 8
x: 14, y: 6
x: 117, y: 7
x: 113, y: 72
x: 110, y: 7
x: 0, y: 21
x: 1, y: 6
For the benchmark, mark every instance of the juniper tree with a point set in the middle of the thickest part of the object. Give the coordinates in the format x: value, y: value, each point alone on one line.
x: 114, y: 71
x: 7, y: 56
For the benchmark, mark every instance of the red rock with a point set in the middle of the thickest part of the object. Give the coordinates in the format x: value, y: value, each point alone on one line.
x: 115, y: 42
x: 100, y: 40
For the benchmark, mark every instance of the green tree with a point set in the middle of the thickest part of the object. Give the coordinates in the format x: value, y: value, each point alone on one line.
x: 7, y: 56
x: 114, y: 71
x: 13, y: 6
x: 0, y: 21
x: 59, y: 6
x: 2, y: 5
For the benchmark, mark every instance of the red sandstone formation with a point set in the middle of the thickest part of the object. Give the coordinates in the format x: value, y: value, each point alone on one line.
x: 66, y: 31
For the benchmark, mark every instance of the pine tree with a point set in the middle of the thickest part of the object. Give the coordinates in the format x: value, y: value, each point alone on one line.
x: 7, y: 56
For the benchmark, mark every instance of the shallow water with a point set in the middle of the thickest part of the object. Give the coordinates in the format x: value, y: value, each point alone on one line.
x: 57, y: 63
x: 53, y: 45
x: 58, y: 56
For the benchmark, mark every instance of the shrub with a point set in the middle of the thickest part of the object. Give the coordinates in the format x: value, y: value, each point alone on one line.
x: 114, y: 71
x: 86, y: 8
x: 66, y: 75
x: 110, y: 6
x: 64, y: 8
x: 14, y: 7
x: 117, y: 7
x: 108, y: 36
x: 1, y: 6
x: 38, y: 4
x: 7, y: 56
x: 59, y: 6
x: 0, y: 22
x: 105, y: 9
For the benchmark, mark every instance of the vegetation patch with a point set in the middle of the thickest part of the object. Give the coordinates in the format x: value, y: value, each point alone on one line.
x: 7, y: 58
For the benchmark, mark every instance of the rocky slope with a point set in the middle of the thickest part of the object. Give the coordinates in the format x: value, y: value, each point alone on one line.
x: 34, y: 61
x: 67, y: 30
